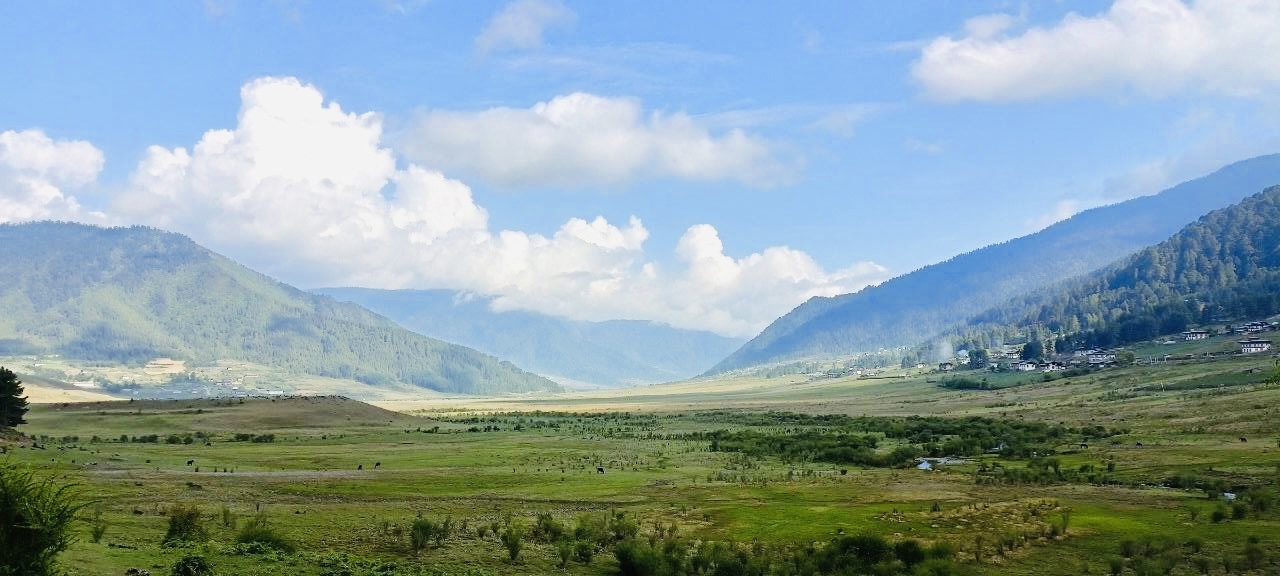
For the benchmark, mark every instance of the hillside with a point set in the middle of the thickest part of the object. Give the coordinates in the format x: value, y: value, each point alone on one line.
x: 916, y: 306
x: 132, y: 294
x: 1224, y: 267
x: 613, y: 353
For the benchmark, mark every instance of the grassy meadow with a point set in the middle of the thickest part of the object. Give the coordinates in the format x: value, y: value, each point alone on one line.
x: 343, y: 481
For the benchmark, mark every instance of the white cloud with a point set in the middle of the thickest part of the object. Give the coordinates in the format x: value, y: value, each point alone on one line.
x: 522, y: 24
x: 1061, y: 210
x: 38, y: 174
x: 1152, y: 47
x: 583, y: 139
x: 308, y: 192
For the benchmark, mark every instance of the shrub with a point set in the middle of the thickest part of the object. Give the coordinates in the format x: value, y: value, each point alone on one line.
x: 909, y: 552
x: 35, y: 521
x: 547, y: 529
x: 424, y: 530
x: 565, y: 551
x: 258, y: 530
x: 192, y: 565
x: 584, y: 551
x: 228, y: 518
x: 97, y: 525
x: 184, y: 525
x: 511, y: 539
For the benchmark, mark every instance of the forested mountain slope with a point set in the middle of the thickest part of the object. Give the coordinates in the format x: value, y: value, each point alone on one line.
x: 924, y: 303
x: 1223, y: 267
x: 612, y: 353
x: 132, y: 294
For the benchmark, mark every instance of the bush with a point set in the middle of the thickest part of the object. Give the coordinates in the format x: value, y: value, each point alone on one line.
x: 35, y: 521
x: 184, y: 525
x: 584, y: 551
x: 511, y: 539
x: 97, y: 526
x: 258, y: 530
x: 424, y: 530
x: 192, y: 565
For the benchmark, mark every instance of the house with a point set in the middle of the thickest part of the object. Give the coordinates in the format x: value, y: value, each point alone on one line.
x: 1053, y: 367
x: 1096, y: 357
x: 1256, y: 327
x: 1254, y: 345
x: 1190, y: 335
x: 946, y: 367
x: 1026, y: 366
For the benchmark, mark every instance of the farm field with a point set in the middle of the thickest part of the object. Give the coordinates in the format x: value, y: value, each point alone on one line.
x: 1124, y: 466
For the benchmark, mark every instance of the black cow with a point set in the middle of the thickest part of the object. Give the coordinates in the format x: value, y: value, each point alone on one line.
x: 190, y: 462
x: 360, y: 467
x: 599, y: 470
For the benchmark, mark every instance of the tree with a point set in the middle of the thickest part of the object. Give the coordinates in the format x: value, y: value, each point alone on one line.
x: 1032, y: 350
x: 13, y: 405
x: 979, y: 358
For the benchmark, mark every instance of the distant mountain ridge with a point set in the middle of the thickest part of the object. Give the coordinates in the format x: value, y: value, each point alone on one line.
x: 1223, y: 267
x: 919, y: 305
x: 131, y: 294
x: 611, y: 353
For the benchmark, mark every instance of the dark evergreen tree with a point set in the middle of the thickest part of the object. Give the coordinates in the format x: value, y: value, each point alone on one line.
x: 13, y: 405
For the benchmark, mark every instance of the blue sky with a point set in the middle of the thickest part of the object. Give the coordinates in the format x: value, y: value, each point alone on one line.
x: 704, y: 164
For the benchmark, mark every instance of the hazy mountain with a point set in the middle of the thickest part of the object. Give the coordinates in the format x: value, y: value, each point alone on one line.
x: 613, y: 353
x: 132, y: 294
x: 916, y: 306
x: 1223, y: 267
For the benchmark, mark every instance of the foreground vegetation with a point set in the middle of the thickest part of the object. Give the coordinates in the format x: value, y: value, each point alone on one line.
x: 1109, y: 473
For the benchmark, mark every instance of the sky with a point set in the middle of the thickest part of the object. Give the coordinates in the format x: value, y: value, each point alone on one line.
x: 708, y: 165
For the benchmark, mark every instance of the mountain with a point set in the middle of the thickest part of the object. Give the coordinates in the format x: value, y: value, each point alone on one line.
x: 132, y: 294
x: 612, y: 353
x: 919, y: 305
x: 1223, y: 267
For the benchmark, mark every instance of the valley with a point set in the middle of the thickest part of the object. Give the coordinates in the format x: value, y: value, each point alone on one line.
x: 343, y: 481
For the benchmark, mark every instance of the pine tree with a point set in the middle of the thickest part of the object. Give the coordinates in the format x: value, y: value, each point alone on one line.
x: 13, y: 405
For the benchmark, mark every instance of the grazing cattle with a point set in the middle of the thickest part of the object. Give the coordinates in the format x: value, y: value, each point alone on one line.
x: 1139, y: 444
x: 1084, y: 446
x: 844, y: 471
x: 377, y: 465
x: 599, y: 470
x: 1243, y: 439
x: 360, y: 467
x: 190, y: 462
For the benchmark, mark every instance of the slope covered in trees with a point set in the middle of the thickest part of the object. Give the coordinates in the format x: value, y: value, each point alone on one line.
x: 613, y: 353
x: 132, y: 294
x: 937, y: 298
x: 1224, y: 267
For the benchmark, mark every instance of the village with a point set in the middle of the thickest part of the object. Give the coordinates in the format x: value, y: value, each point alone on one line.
x: 1010, y: 357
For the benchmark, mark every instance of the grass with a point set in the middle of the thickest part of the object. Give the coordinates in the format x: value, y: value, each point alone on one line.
x: 344, y: 481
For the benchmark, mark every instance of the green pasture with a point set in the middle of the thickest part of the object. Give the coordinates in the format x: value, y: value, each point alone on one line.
x: 343, y: 479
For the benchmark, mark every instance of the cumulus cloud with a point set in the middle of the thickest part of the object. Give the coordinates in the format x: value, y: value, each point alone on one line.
x: 583, y: 139
x: 1152, y: 47
x: 309, y: 192
x: 38, y: 175
x: 521, y: 25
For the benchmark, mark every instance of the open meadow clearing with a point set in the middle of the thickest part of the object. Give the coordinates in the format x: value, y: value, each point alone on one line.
x: 1126, y: 466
